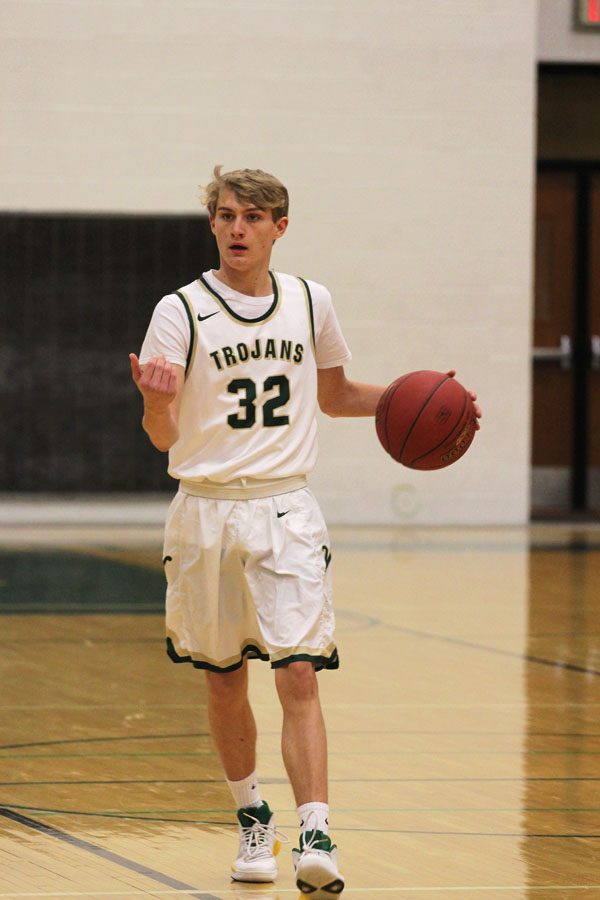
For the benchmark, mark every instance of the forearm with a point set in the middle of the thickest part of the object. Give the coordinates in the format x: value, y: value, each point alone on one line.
x: 356, y: 399
x: 161, y: 427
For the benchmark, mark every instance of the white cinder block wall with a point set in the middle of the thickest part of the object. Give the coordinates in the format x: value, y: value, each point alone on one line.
x: 404, y: 131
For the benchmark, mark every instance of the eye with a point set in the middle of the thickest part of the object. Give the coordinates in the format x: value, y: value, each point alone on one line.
x: 254, y: 217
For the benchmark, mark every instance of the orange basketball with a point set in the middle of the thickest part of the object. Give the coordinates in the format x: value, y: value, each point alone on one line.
x: 426, y: 420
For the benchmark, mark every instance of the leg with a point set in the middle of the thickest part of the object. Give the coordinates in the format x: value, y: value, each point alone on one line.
x: 304, y: 748
x: 231, y: 721
x: 233, y: 730
x: 303, y: 739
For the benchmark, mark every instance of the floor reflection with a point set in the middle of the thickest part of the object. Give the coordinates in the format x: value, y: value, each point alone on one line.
x: 561, y: 819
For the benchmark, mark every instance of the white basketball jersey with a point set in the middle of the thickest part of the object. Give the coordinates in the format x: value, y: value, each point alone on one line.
x: 249, y: 400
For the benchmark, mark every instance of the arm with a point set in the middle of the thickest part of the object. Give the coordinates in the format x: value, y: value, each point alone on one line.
x: 338, y: 396
x: 160, y: 383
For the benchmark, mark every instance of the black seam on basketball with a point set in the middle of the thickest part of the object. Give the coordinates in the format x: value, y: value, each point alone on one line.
x: 387, y: 403
x: 448, y: 437
x: 386, y: 406
x: 418, y: 416
x: 381, y: 416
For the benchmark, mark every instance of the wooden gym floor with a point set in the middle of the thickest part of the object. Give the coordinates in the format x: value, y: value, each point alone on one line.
x: 463, y: 722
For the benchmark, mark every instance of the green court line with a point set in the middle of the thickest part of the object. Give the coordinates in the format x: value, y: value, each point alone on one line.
x: 109, y: 740
x: 125, y: 738
x: 409, y: 810
x: 340, y: 828
x: 94, y: 755
x: 519, y: 752
x: 523, y: 779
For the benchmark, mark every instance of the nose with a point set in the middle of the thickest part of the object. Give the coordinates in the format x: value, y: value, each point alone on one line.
x: 237, y: 226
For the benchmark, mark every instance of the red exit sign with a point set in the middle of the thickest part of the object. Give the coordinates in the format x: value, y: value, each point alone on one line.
x: 587, y: 13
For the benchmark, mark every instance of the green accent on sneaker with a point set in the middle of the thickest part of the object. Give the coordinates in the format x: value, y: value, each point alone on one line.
x: 317, y: 840
x: 248, y: 815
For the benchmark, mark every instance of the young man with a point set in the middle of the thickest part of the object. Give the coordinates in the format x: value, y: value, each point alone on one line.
x: 231, y: 370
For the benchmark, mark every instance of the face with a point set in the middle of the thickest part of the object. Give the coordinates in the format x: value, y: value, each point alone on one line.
x: 244, y: 233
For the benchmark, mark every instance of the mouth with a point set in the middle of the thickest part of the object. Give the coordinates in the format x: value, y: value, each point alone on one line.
x: 237, y: 249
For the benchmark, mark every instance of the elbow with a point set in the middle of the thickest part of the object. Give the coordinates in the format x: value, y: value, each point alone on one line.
x: 161, y: 443
x: 163, y: 446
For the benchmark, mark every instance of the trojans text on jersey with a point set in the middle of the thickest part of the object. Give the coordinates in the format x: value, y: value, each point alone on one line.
x: 269, y: 348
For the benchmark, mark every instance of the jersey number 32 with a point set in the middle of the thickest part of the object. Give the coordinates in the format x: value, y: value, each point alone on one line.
x: 246, y: 390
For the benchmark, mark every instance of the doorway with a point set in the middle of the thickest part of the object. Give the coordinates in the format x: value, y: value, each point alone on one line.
x: 566, y: 333
x: 566, y: 356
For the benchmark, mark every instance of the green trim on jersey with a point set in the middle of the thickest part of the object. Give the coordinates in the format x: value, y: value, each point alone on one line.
x: 268, y: 314
x: 250, y: 650
x: 193, y: 337
x: 311, y: 315
x: 319, y: 661
x: 253, y: 651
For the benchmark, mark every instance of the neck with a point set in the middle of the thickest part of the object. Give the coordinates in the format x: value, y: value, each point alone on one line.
x: 253, y: 284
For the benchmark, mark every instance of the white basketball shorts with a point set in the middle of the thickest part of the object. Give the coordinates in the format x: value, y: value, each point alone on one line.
x: 248, y: 578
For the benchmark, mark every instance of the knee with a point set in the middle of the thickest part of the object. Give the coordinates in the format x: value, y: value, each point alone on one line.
x: 227, y: 687
x: 296, y: 682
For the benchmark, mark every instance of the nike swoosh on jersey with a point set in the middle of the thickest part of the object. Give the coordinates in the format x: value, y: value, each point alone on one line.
x: 202, y: 318
x: 279, y: 515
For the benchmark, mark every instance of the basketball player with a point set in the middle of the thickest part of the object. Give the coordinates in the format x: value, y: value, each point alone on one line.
x: 230, y: 371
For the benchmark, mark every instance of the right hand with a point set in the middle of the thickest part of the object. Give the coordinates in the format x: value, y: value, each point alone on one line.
x: 156, y: 381
x: 451, y: 373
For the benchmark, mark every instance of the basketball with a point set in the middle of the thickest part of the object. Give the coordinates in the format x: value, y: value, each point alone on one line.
x: 425, y: 420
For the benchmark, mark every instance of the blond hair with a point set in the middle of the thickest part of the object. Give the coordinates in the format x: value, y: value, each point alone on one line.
x: 250, y: 185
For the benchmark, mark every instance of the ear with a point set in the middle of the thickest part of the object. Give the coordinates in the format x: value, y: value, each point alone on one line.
x: 281, y: 226
x: 211, y: 221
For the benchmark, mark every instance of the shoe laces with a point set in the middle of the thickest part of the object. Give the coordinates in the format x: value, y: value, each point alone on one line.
x: 257, y: 838
x: 312, y: 836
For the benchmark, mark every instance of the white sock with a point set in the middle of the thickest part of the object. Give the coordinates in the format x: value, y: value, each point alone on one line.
x: 246, y: 792
x: 314, y: 817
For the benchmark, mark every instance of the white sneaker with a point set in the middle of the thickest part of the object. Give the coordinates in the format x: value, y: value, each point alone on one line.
x: 258, y: 845
x: 316, y: 867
